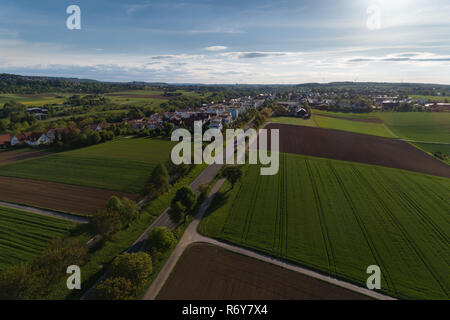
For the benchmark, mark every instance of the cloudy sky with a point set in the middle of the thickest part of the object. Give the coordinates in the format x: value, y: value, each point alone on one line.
x: 232, y: 41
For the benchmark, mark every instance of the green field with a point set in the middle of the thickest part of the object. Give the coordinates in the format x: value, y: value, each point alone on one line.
x: 320, y: 119
x: 24, y: 235
x: 122, y: 165
x: 433, y: 148
x: 340, y: 217
x: 371, y: 128
x: 35, y: 100
x: 351, y: 115
x: 293, y: 120
x: 419, y: 126
x: 432, y: 98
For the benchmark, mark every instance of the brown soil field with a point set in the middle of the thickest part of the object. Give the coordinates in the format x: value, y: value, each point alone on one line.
x: 15, y: 156
x: 348, y: 146
x: 57, y: 196
x: 207, y: 272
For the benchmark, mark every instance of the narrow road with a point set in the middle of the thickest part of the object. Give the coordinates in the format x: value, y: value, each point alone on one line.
x: 163, y: 220
x: 191, y: 236
x: 44, y: 212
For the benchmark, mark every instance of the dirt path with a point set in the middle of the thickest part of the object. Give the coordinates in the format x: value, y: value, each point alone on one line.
x: 43, y: 212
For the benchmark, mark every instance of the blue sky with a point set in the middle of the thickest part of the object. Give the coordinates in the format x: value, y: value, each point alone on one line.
x: 246, y: 41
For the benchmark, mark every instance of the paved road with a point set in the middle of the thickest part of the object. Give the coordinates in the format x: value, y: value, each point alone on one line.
x: 191, y: 236
x: 44, y: 212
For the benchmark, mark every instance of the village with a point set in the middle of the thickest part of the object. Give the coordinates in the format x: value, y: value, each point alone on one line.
x: 213, y: 115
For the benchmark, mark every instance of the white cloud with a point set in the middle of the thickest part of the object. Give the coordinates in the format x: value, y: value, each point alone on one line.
x: 216, y: 48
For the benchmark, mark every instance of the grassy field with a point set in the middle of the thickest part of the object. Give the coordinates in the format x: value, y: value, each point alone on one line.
x: 24, y: 235
x: 371, y: 128
x: 433, y: 148
x: 34, y: 100
x: 122, y: 165
x: 420, y: 126
x: 293, y: 120
x: 339, y: 218
x: 351, y: 115
x: 432, y: 98
x: 332, y: 120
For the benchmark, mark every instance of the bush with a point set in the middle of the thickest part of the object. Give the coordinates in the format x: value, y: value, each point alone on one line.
x: 106, y: 223
x: 136, y: 267
x: 114, y: 289
x: 159, y: 240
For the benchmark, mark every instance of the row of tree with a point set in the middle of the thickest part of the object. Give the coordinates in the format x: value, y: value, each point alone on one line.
x: 33, y: 280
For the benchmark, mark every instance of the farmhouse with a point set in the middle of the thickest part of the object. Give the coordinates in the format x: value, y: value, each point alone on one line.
x: 52, y: 134
x: 38, y: 138
x: 20, y: 138
x: 100, y: 126
x: 5, y: 140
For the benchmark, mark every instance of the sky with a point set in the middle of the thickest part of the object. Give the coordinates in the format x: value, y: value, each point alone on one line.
x: 228, y: 42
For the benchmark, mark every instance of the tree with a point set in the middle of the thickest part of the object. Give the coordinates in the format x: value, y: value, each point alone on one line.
x: 136, y: 267
x: 186, y: 198
x: 203, y: 190
x: 20, y: 282
x: 128, y: 211
x: 233, y: 174
x: 114, y: 289
x: 159, y: 240
x: 177, y: 212
x: 106, y: 222
x: 52, y: 264
x: 126, y: 208
x: 168, y: 128
x: 159, y: 180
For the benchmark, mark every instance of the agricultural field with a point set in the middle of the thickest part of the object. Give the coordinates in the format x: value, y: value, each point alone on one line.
x: 432, y: 98
x: 365, y: 126
x: 11, y: 156
x: 33, y: 99
x: 207, y: 272
x: 120, y: 165
x: 419, y: 126
x: 294, y: 121
x: 346, y: 115
x: 57, y: 196
x: 340, y: 217
x: 152, y: 97
x: 24, y: 235
x: 443, y: 150
x: 348, y: 146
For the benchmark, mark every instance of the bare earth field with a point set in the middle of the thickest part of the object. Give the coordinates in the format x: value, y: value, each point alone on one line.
x: 341, y: 145
x: 207, y: 272
x: 15, y: 156
x: 57, y: 196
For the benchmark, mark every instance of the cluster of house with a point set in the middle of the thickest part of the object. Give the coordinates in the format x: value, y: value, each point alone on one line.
x: 39, y: 113
x: 295, y: 110
x: 40, y: 138
x: 211, y: 115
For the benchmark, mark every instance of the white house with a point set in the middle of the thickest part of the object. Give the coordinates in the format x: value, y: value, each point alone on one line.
x: 38, y: 138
